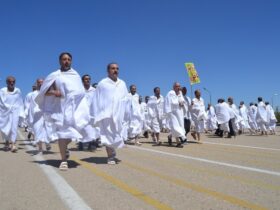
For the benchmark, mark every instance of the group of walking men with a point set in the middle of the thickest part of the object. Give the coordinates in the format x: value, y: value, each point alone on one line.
x: 257, y: 118
x: 64, y: 107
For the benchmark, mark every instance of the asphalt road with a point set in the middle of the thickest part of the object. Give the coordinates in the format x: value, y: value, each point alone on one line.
x: 240, y: 173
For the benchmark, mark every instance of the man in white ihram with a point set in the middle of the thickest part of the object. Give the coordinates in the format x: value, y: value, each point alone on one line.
x: 155, y: 109
x: 198, y: 115
x: 145, y: 117
x: 27, y: 102
x: 89, y: 91
x: 243, y: 111
x: 271, y: 119
x: 36, y: 121
x: 223, y: 115
x: 261, y: 117
x: 64, y: 106
x: 135, y: 116
x: 11, y: 109
x: 252, y: 113
x: 108, y: 109
x: 174, y: 109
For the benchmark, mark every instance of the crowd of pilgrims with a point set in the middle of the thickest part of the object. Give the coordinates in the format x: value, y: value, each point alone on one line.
x: 67, y: 107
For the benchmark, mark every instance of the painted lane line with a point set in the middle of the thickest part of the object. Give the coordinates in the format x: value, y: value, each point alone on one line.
x: 264, y: 171
x: 207, y: 171
x: 123, y: 186
x: 67, y: 194
x: 238, y: 145
x: 197, y: 188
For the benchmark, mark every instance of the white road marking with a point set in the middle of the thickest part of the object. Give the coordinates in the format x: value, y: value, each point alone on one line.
x: 67, y: 194
x: 264, y: 171
x: 238, y: 145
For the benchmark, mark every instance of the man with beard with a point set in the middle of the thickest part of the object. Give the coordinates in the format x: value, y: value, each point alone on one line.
x: 108, y: 109
x: 11, y: 110
x: 174, y: 110
x: 64, y: 105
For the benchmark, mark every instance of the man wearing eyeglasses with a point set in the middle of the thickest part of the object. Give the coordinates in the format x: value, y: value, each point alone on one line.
x: 11, y: 109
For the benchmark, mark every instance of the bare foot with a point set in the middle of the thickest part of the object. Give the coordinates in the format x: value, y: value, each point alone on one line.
x: 193, y: 135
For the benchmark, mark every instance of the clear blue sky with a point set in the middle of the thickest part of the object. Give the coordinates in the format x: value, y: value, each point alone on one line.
x: 235, y: 45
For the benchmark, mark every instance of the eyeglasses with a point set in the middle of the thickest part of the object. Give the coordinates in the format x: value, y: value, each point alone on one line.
x: 115, y: 68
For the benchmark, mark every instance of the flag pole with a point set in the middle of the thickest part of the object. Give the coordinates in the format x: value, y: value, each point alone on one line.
x: 191, y: 93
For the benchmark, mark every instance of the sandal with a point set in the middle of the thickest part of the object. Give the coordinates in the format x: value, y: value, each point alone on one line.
x: 63, y: 166
x: 111, y: 162
x: 14, y: 148
x: 138, y: 143
x: 158, y: 143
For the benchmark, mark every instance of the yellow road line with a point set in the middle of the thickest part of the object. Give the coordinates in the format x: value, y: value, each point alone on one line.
x: 218, y: 195
x: 211, y: 172
x: 131, y: 190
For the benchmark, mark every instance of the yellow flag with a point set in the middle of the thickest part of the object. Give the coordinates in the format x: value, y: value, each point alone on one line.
x: 194, y: 78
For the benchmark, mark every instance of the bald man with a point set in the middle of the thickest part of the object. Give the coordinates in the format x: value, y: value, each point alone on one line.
x: 174, y: 110
x: 11, y: 110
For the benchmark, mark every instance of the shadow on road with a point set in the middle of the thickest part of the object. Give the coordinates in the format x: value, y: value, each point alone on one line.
x: 36, y: 152
x: 56, y: 163
x: 96, y: 160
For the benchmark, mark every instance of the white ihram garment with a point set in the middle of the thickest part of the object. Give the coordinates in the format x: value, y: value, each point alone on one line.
x: 155, y: 109
x: 211, y: 122
x: 271, y: 118
x: 11, y: 110
x: 94, y: 132
x: 235, y: 117
x: 37, y: 121
x: 27, y: 102
x: 108, y: 109
x: 175, y: 113
x: 135, y: 116
x: 261, y: 116
x: 252, y: 113
x: 68, y: 116
x: 198, y: 114
x: 223, y: 115
x: 145, y: 117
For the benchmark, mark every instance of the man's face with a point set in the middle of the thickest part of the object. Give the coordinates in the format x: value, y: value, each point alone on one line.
x: 39, y: 83
x: 113, y: 71
x: 11, y: 83
x: 86, y: 81
x: 197, y: 94
x: 184, y: 91
x: 230, y: 101
x: 146, y: 99
x: 133, y: 89
x: 65, y: 62
x: 157, y: 92
x: 177, y: 88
